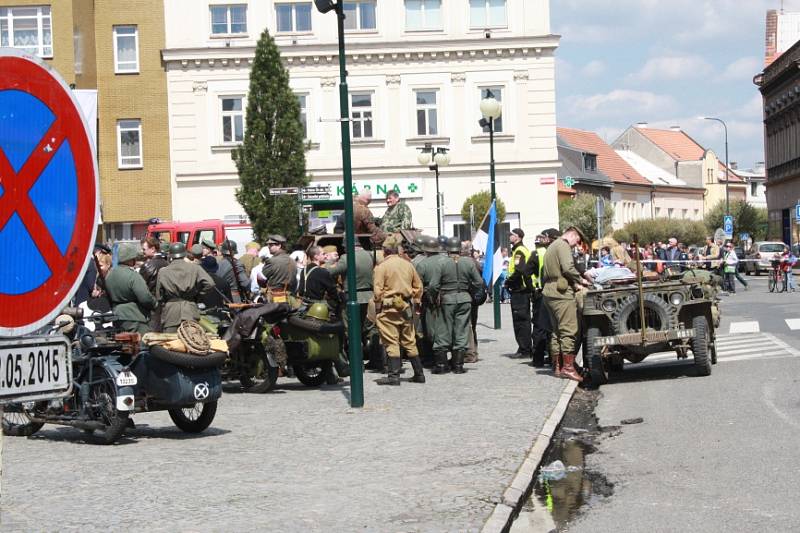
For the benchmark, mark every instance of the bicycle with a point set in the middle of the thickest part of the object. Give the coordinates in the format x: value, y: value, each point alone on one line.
x: 777, y: 275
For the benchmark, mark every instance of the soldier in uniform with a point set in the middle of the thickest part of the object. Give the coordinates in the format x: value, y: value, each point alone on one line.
x: 452, y: 285
x: 331, y: 255
x: 435, y: 327
x: 316, y: 282
x: 520, y: 285
x: 398, y: 214
x: 279, y: 274
x: 238, y: 282
x: 181, y: 284
x: 397, y: 289
x: 131, y: 300
x: 250, y: 258
x: 561, y: 282
x: 207, y: 247
x: 364, y: 269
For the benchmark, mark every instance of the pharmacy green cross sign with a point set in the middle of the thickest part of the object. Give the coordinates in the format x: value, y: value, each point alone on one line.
x: 568, y: 181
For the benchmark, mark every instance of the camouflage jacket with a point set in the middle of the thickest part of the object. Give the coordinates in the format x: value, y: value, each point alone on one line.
x: 396, y: 218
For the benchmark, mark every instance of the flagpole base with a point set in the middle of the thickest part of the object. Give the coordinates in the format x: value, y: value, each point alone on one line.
x: 496, y: 303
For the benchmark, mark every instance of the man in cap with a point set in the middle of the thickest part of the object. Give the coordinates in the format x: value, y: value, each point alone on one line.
x: 452, y: 285
x: 180, y: 286
x: 433, y: 319
x: 520, y: 284
x: 331, y: 255
x: 250, y: 258
x: 195, y: 253
x: 561, y: 283
x: 278, y: 276
x: 398, y: 214
x: 154, y: 261
x: 131, y: 300
x: 397, y: 289
x: 233, y: 272
x: 208, y: 247
x: 363, y: 221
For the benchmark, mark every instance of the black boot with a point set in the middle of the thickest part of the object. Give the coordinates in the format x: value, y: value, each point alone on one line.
x: 393, y: 377
x: 419, y: 375
x: 458, y: 362
x: 440, y: 362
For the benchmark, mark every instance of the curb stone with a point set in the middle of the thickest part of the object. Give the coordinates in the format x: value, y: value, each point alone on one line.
x: 514, y: 496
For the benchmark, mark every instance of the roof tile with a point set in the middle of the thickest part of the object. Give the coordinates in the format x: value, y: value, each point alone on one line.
x: 608, y: 161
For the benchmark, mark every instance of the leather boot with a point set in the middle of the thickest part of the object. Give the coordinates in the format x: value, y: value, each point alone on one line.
x: 458, y: 362
x: 441, y: 365
x: 419, y: 375
x: 557, y: 362
x: 393, y: 377
x: 568, y: 371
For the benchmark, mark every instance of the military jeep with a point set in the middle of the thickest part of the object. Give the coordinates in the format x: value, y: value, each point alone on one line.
x: 680, y: 315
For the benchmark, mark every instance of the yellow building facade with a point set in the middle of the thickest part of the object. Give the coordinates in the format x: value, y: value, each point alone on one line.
x: 114, y: 47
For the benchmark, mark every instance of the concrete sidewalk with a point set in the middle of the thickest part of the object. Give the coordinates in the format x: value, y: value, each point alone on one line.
x: 432, y: 457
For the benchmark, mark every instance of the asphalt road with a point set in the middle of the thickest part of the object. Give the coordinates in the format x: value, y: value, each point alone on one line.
x: 713, y: 454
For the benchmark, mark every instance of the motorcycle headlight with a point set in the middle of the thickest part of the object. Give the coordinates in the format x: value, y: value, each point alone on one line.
x: 676, y: 298
x: 609, y: 306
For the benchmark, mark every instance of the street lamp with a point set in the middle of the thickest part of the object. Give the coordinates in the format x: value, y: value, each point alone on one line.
x: 491, y: 111
x: 434, y: 158
x: 353, y: 312
x: 727, y: 180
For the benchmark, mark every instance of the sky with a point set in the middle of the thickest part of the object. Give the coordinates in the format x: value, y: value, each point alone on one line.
x: 664, y: 62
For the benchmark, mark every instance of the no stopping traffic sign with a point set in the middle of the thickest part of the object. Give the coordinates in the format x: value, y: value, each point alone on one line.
x: 48, y: 193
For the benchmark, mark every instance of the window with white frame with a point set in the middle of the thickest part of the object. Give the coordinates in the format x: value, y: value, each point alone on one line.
x: 228, y: 19
x: 361, y: 115
x: 497, y: 92
x: 302, y: 100
x: 427, y: 112
x: 129, y: 143
x: 126, y: 49
x: 359, y: 15
x: 423, y: 15
x: 28, y: 28
x: 292, y: 17
x: 232, y: 119
x: 487, y: 14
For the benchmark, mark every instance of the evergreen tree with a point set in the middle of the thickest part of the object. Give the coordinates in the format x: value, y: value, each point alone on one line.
x: 273, y: 153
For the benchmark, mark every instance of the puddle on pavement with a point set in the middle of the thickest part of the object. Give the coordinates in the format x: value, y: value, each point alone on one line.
x: 565, y: 487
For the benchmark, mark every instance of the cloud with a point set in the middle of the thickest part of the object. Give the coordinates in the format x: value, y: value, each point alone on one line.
x: 743, y: 69
x: 564, y: 70
x: 673, y: 68
x: 620, y: 101
x: 593, y: 68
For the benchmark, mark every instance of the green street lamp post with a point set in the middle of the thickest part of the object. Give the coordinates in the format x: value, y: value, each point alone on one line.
x: 435, y: 158
x: 727, y: 177
x: 491, y: 111
x: 353, y: 314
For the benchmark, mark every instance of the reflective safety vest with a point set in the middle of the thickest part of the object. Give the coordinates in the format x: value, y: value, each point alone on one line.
x: 537, y: 280
x: 520, y: 252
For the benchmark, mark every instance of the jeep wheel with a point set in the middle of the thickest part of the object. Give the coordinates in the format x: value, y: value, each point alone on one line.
x: 593, y: 358
x: 701, y: 347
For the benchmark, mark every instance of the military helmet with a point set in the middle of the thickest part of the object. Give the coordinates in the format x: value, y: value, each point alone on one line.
x: 430, y: 244
x: 177, y: 250
x: 127, y: 251
x: 442, y: 241
x: 319, y: 310
x: 228, y: 247
x: 163, y: 247
x: 419, y: 240
x: 454, y: 245
x: 196, y: 250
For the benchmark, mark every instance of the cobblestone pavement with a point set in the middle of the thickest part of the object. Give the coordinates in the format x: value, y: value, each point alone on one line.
x: 432, y: 457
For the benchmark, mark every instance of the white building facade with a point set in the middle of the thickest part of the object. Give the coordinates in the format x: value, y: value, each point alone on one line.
x: 416, y: 72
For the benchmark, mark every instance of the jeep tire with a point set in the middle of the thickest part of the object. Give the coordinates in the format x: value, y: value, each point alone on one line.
x: 593, y: 359
x: 701, y: 346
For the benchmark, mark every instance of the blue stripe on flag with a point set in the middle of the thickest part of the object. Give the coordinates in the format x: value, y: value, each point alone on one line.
x: 488, y: 260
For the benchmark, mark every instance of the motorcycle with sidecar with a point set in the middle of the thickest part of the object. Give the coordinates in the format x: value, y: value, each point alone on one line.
x: 113, y: 377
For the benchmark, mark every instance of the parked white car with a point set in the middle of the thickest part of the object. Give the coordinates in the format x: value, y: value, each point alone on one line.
x: 760, y: 255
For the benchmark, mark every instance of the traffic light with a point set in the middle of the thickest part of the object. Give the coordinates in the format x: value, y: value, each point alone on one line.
x: 323, y: 6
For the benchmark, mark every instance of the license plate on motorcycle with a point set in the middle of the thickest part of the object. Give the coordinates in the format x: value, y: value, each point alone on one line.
x: 126, y: 379
x: 35, y: 367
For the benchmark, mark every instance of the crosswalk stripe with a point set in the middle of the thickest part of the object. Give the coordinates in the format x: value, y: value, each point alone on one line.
x: 733, y: 347
x: 745, y: 327
x: 793, y: 323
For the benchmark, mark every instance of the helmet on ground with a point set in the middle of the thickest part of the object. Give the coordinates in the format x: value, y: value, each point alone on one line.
x: 319, y: 310
x: 177, y: 250
x: 454, y: 245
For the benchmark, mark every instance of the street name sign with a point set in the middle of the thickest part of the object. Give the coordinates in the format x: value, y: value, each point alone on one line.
x: 283, y: 191
x: 320, y: 192
x: 49, y: 187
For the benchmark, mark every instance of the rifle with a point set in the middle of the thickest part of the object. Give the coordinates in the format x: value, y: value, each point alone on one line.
x: 101, y: 281
x: 234, y: 264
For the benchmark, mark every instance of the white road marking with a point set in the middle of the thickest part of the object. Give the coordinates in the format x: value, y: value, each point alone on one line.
x: 731, y: 348
x: 744, y: 327
x: 793, y: 323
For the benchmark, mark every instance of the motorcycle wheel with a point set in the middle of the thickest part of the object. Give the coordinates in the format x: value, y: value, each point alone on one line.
x: 310, y: 374
x: 194, y: 419
x: 102, y: 407
x: 256, y: 374
x: 17, y: 418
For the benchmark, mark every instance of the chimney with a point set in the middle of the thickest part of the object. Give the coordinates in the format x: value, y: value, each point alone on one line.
x: 675, y: 128
x: 642, y: 125
x: 771, y: 48
x: 734, y: 165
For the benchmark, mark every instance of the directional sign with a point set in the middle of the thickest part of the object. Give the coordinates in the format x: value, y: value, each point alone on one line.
x: 283, y: 191
x: 48, y: 193
x: 727, y: 226
x: 319, y: 192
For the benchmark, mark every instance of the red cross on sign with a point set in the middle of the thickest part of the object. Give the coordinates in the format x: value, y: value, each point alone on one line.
x: 48, y: 194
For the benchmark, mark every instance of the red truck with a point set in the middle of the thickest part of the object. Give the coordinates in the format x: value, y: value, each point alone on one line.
x: 191, y: 233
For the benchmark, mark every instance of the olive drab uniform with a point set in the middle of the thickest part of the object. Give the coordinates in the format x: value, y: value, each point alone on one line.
x: 131, y: 300
x: 451, y: 285
x: 520, y: 284
x: 433, y: 319
x: 365, y: 265
x: 560, y: 278
x: 180, y: 286
x: 396, y: 218
x: 397, y: 288
x: 279, y: 276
